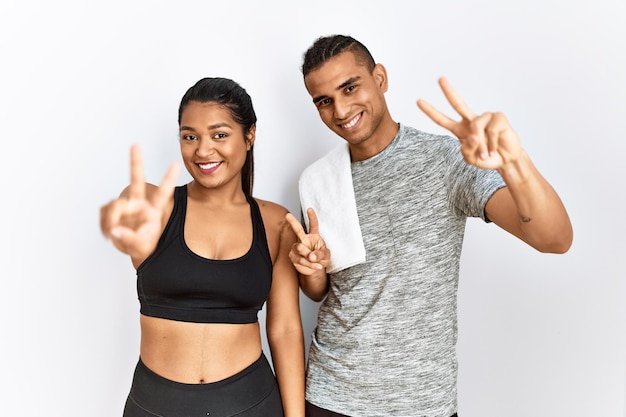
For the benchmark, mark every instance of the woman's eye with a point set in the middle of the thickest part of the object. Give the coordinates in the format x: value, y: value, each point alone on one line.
x: 220, y: 136
x: 190, y: 137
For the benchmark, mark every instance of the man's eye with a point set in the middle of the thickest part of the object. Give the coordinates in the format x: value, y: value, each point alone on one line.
x: 323, y: 102
x: 350, y: 88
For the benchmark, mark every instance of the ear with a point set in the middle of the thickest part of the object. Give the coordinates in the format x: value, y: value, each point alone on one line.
x: 250, y: 137
x: 380, y: 75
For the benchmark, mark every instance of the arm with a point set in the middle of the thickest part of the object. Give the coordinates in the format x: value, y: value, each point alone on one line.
x: 528, y: 207
x: 310, y: 256
x: 134, y: 221
x: 284, y: 328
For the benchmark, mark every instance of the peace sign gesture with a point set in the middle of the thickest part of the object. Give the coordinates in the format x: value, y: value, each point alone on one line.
x: 310, y: 255
x: 487, y: 140
x: 134, y: 221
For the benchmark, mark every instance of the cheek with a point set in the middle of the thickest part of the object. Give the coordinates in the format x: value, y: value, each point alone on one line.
x: 235, y: 151
x: 187, y: 151
x: 327, y: 116
x: 378, y: 100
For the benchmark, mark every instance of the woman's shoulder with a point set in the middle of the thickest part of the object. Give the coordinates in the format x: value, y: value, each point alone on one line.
x: 277, y: 229
x: 273, y: 214
x: 270, y: 209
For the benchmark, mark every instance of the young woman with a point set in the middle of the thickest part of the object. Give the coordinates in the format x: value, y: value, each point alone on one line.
x: 208, y: 256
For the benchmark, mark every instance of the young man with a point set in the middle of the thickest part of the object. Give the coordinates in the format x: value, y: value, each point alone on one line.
x: 392, y: 203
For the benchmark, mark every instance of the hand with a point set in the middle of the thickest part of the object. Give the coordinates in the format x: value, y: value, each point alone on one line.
x: 310, y: 255
x: 487, y: 141
x: 134, y: 221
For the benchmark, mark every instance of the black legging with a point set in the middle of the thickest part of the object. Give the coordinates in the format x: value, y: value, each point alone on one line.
x: 252, y: 392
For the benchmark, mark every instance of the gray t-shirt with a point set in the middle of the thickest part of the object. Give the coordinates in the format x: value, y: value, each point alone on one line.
x: 385, y: 341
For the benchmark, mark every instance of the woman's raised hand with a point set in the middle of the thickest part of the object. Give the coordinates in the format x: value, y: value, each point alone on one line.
x: 134, y: 221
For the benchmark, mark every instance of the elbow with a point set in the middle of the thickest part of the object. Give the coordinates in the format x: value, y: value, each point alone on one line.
x: 565, y: 246
x: 559, y: 245
x: 314, y: 289
x: 557, y: 249
x: 316, y: 296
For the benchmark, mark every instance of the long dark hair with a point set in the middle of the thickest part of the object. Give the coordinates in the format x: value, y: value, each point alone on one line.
x: 230, y: 94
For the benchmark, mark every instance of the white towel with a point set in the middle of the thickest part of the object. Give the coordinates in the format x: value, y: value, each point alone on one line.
x: 326, y: 186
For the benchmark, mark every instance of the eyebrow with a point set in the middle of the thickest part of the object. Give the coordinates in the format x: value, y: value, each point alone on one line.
x: 210, y: 127
x: 340, y: 87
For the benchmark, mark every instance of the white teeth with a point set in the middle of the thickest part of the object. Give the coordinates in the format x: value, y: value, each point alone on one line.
x: 209, y: 165
x: 351, y: 122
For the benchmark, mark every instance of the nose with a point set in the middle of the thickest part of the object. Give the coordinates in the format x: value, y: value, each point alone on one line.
x: 205, y: 147
x: 342, y: 108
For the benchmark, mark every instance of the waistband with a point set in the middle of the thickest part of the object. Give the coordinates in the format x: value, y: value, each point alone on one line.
x: 239, y: 392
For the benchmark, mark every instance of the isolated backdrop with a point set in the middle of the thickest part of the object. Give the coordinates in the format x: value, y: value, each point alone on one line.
x: 539, y: 335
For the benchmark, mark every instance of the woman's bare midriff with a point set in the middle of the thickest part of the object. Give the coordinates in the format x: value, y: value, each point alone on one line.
x: 198, y: 353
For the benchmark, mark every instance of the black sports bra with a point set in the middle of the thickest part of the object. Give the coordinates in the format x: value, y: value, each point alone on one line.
x: 177, y: 284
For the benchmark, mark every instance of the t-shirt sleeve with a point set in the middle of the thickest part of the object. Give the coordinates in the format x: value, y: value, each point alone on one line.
x: 469, y: 188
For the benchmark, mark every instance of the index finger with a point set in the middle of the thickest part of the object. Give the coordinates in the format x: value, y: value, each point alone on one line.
x: 314, y: 225
x: 436, y: 116
x: 137, y: 188
x: 296, y: 226
x: 455, y: 100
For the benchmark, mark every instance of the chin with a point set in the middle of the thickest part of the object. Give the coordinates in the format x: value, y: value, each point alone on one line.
x: 354, y: 138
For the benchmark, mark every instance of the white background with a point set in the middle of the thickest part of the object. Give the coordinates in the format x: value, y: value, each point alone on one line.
x: 539, y: 335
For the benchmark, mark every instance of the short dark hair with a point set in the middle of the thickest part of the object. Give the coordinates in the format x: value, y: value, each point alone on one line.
x: 326, y: 47
x: 233, y: 96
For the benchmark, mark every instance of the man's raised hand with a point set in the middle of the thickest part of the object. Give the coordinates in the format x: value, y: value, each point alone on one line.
x: 487, y: 140
x: 310, y: 254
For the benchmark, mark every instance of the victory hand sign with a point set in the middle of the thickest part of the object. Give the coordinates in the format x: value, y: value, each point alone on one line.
x: 310, y: 256
x: 134, y: 221
x: 487, y: 140
x: 528, y: 207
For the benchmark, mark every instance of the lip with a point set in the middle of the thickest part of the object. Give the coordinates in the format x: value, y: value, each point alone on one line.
x: 351, y: 124
x: 208, y: 167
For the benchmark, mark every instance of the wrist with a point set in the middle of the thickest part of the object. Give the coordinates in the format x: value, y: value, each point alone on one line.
x: 518, y: 169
